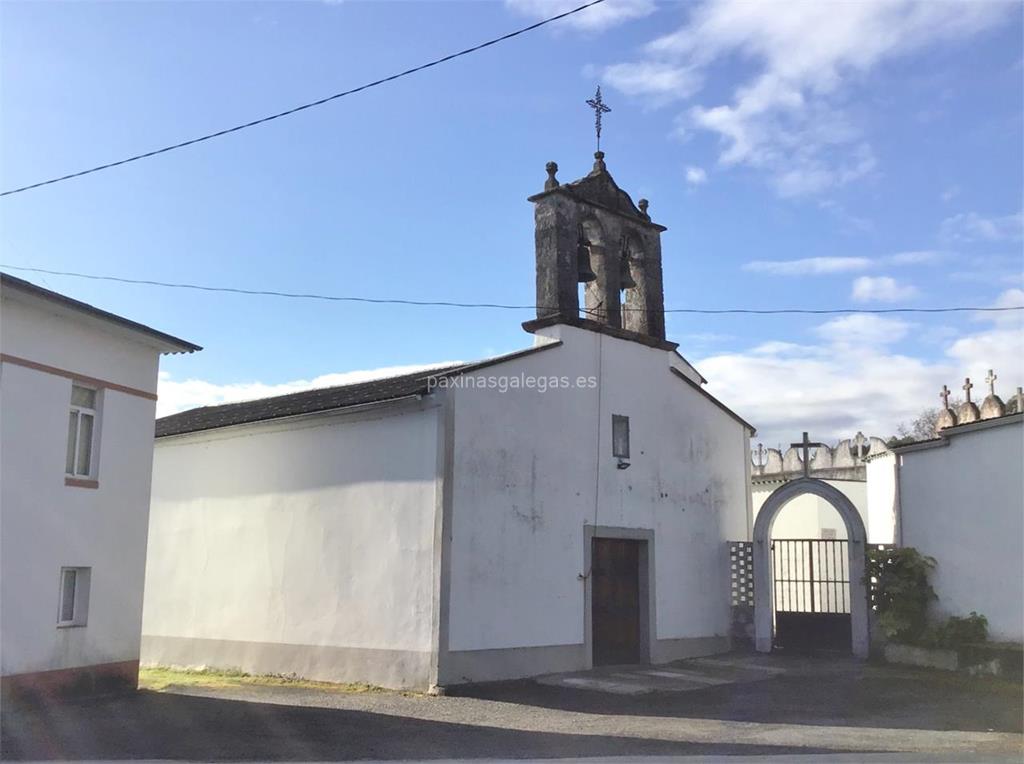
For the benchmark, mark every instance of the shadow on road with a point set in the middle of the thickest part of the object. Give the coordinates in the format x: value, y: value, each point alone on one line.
x: 151, y: 725
x: 864, y: 696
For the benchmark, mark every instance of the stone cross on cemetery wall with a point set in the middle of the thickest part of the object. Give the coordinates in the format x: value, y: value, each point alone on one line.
x: 806, y: 446
x: 991, y: 379
x: 945, y: 397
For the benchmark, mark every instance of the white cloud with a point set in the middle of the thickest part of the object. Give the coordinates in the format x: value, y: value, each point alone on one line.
x: 881, y: 289
x: 788, y: 117
x: 816, y: 266
x: 696, y: 176
x: 916, y: 257
x: 972, y: 227
x: 855, y: 380
x: 595, y: 19
x: 863, y: 329
x: 809, y: 266
x: 662, y: 81
x: 174, y: 396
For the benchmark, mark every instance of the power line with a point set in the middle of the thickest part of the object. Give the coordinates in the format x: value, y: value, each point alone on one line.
x: 493, y: 305
x: 303, y: 107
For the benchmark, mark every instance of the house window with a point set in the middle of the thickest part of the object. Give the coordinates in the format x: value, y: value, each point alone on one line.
x: 74, y: 596
x: 620, y: 436
x: 81, y: 432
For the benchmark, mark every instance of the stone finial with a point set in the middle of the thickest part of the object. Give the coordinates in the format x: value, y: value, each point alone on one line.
x: 991, y: 379
x: 947, y: 418
x: 552, y: 181
x: 1016, y: 402
x: 843, y: 454
x: 967, y: 388
x: 643, y: 208
x: 822, y: 459
x: 992, y: 407
x: 599, y: 165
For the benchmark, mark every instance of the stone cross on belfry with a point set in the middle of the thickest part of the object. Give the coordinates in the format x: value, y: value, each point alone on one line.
x: 967, y: 388
x: 599, y: 108
x: 806, y: 446
x: 991, y: 379
x: 945, y: 397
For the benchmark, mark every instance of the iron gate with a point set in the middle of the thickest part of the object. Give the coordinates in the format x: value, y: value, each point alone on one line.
x: 811, y: 588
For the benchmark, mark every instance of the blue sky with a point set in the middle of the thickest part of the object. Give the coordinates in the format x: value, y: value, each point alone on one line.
x: 801, y: 155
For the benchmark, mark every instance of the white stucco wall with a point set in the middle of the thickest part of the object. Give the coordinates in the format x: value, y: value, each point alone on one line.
x: 806, y: 516
x: 532, y: 470
x: 881, y: 472
x: 963, y: 504
x: 312, y: 533
x: 45, y: 524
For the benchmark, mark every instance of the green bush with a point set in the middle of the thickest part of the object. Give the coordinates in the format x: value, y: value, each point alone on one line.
x: 899, y: 579
x: 956, y: 632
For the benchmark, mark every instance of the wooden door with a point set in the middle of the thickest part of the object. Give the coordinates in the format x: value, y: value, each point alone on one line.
x: 615, y: 601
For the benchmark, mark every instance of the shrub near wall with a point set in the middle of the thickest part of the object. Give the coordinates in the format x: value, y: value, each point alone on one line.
x: 898, y: 579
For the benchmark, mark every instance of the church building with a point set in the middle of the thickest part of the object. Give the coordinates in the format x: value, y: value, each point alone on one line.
x: 553, y: 509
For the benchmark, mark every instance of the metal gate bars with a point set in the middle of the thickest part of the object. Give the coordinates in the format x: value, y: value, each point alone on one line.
x: 811, y: 583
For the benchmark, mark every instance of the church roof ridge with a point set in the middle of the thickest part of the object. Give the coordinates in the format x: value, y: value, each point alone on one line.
x: 323, y: 399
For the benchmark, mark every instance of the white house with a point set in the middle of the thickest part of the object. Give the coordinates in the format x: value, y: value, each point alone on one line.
x: 77, y: 405
x: 559, y: 507
x: 960, y: 499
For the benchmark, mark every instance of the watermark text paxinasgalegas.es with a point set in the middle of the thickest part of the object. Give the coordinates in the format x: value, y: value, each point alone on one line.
x: 505, y: 382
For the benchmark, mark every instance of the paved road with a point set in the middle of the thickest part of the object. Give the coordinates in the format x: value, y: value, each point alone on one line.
x: 849, y: 710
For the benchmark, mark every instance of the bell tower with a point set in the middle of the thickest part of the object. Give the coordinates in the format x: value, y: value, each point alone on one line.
x: 589, y: 231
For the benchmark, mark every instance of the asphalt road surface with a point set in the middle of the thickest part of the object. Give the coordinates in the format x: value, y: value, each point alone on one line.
x: 748, y: 707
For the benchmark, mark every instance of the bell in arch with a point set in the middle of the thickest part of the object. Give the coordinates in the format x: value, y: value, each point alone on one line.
x: 584, y: 272
x: 625, y: 274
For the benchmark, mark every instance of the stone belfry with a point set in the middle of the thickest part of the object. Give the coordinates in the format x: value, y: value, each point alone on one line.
x: 589, y: 231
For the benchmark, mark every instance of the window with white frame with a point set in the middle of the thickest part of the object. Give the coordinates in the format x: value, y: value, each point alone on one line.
x: 82, y: 429
x: 74, y: 596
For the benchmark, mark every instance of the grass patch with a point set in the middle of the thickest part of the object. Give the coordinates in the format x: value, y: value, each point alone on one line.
x: 160, y: 678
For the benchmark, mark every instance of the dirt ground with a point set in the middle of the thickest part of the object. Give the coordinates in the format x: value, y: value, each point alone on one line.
x: 763, y: 707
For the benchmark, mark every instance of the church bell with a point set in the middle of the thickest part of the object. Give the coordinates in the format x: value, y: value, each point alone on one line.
x: 625, y: 276
x: 584, y: 272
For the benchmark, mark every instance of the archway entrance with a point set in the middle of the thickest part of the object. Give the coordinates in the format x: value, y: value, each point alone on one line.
x: 850, y: 571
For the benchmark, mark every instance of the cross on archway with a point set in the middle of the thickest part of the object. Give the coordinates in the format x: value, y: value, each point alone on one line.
x: 806, y: 445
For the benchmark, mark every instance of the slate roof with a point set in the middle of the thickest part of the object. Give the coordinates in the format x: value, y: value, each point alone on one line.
x: 173, y: 344
x: 323, y: 399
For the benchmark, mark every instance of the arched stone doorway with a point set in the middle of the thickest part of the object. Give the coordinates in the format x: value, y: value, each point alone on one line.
x: 763, y: 590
